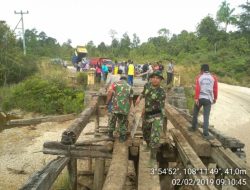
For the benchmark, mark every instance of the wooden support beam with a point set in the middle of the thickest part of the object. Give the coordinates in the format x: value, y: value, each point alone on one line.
x: 227, y: 142
x: 99, y: 173
x: 87, y: 173
x: 97, y: 151
x: 45, y: 178
x: 191, y: 160
x: 198, y: 143
x: 134, y: 150
x: 72, y: 170
x: 236, y: 168
x: 33, y: 121
x: 91, y: 141
x: 97, y: 120
x: 118, y: 169
x: 71, y: 134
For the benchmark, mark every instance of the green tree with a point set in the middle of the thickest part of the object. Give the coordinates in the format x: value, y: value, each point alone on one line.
x: 91, y: 48
x: 208, y: 28
x: 66, y: 49
x: 125, y: 45
x: 115, y: 47
x: 135, y: 41
x: 224, y: 15
x: 147, y: 49
x: 184, y: 42
x: 102, y: 48
x: 244, y: 18
x: 14, y: 67
x: 164, y: 33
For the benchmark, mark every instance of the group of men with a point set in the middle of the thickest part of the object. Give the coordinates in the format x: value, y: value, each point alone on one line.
x: 126, y: 68
x: 149, y: 68
x: 120, y: 93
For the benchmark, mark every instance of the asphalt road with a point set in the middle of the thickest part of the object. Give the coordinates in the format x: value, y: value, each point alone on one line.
x: 231, y: 113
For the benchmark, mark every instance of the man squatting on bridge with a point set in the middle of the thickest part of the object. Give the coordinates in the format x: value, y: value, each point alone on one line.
x: 206, y: 93
x: 154, y: 116
x: 121, y: 94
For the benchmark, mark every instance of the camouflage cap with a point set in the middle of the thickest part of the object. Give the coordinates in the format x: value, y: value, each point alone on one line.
x: 157, y: 73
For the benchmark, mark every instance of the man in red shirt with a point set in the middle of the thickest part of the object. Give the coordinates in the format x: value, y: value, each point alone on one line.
x: 206, y: 93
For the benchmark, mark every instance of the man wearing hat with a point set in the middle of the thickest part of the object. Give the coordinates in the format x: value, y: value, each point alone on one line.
x: 154, y: 115
x: 121, y: 94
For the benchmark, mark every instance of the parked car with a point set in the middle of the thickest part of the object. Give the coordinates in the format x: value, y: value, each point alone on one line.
x: 101, y: 60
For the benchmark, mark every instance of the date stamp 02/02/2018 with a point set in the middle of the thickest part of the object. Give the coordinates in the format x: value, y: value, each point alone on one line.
x: 204, y: 172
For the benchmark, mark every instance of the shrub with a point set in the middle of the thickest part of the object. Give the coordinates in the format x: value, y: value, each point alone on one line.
x: 82, y: 78
x: 189, y: 92
x: 45, y: 96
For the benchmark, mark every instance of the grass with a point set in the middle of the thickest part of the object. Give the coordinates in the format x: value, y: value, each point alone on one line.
x: 62, y: 182
x: 189, y: 92
x: 49, y: 91
x: 53, y: 71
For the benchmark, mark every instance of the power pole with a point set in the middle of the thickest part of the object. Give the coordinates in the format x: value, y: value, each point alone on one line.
x: 21, y: 20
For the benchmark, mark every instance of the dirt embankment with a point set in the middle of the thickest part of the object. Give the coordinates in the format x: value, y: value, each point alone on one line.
x: 20, y: 151
x: 231, y: 113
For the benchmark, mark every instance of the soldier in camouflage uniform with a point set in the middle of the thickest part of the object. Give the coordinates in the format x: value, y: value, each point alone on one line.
x: 154, y: 115
x: 122, y: 96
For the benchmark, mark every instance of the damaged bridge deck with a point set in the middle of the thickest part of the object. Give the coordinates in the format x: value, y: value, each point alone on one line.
x: 185, y: 158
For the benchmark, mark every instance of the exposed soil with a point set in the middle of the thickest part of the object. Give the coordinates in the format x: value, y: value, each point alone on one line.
x: 21, y: 152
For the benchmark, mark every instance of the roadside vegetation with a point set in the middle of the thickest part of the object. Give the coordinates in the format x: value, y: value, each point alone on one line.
x: 49, y: 91
x: 32, y: 83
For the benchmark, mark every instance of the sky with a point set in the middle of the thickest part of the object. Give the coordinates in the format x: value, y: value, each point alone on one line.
x: 85, y: 20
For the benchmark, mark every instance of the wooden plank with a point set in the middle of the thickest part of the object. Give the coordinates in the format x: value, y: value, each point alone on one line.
x: 137, y: 121
x: 72, y: 170
x: 237, y: 168
x: 99, y: 173
x: 117, y: 173
x: 96, y: 151
x: 87, y: 173
x: 91, y: 141
x: 191, y: 160
x: 227, y: 142
x: 195, y: 139
x: 108, y: 147
x: 32, y: 121
x: 146, y: 179
x: 45, y: 178
x: 71, y: 134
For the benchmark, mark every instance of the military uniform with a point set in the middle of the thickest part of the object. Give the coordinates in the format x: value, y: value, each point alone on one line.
x: 122, y: 92
x: 154, y: 113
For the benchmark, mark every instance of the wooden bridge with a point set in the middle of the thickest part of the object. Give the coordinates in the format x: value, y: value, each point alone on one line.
x: 185, y: 159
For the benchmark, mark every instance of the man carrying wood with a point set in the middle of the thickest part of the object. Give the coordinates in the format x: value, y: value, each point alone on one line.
x: 122, y: 95
x: 154, y: 116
